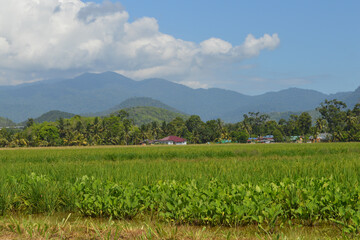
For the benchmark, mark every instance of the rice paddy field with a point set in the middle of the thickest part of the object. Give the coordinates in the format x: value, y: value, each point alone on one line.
x: 237, y: 191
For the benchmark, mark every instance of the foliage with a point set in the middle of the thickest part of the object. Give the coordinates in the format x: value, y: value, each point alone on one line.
x: 145, y: 115
x: 286, y: 115
x: 320, y: 197
x: 49, y: 134
x: 140, y: 124
x: 331, y: 112
x: 239, y: 136
x: 278, y: 137
x: 304, y: 123
x: 304, y: 200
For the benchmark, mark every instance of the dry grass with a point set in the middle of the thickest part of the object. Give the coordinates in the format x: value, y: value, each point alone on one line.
x: 76, y: 227
x: 108, y: 146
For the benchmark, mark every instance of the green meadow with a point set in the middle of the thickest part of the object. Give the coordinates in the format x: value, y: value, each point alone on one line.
x: 270, y: 188
x: 230, y: 164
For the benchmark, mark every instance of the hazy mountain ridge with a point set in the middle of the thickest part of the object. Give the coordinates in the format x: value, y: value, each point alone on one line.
x: 352, y: 98
x: 98, y: 92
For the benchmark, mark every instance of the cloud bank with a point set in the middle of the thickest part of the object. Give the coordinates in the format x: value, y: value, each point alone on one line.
x: 50, y: 38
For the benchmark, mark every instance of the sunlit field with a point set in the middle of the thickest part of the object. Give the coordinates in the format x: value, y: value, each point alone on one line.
x: 243, y: 191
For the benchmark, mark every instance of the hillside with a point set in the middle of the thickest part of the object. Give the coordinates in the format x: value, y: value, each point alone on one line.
x: 353, y: 98
x: 140, y: 115
x: 4, y: 122
x: 138, y: 102
x: 98, y: 92
x: 286, y: 115
x: 143, y: 115
x: 53, y: 116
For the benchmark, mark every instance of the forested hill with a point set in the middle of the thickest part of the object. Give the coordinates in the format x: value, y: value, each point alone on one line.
x: 52, y: 116
x: 98, y: 92
x: 140, y: 115
x: 137, y: 102
x: 145, y: 115
x: 4, y: 122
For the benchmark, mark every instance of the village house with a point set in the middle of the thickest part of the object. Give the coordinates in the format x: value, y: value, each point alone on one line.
x: 170, y: 140
x: 264, y: 139
x: 324, y: 137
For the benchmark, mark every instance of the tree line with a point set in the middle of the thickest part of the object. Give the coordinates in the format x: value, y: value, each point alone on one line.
x: 342, y: 124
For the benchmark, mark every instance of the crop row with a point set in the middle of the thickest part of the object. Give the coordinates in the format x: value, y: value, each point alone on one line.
x: 229, y: 164
x: 306, y: 200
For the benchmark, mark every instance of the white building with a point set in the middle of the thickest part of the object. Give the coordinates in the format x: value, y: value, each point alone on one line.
x: 170, y: 140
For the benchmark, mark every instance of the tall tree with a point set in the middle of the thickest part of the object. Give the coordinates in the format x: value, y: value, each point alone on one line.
x: 331, y: 111
x: 254, y: 123
x: 304, y: 123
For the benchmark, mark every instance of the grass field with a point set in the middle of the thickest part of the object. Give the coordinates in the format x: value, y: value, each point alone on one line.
x: 209, y: 191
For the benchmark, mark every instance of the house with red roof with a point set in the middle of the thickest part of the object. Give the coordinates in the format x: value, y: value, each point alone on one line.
x: 170, y: 140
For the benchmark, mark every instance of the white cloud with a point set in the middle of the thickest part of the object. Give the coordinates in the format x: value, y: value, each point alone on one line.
x: 4, y: 46
x: 252, y: 46
x: 41, y: 38
x: 214, y: 46
x: 195, y: 84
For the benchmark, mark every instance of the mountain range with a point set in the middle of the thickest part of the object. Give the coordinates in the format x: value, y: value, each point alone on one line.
x: 96, y: 93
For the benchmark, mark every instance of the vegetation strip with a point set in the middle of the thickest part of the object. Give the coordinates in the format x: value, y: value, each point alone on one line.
x: 337, y: 123
x: 268, y: 186
x: 303, y: 201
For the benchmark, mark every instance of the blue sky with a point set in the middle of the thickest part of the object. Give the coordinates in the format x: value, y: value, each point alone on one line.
x: 248, y: 46
x: 320, y: 40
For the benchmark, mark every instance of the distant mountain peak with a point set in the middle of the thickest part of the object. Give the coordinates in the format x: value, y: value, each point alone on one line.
x: 106, y: 75
x: 53, y: 116
x: 139, y: 102
x: 148, y: 114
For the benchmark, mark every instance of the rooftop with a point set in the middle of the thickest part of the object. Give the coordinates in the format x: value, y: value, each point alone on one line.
x: 173, y: 139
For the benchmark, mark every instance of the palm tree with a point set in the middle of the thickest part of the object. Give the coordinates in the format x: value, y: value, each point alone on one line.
x: 155, y: 129
x: 320, y: 125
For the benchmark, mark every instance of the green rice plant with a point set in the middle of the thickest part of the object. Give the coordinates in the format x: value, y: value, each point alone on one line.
x: 35, y: 194
x: 3, y: 199
x: 230, y: 185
